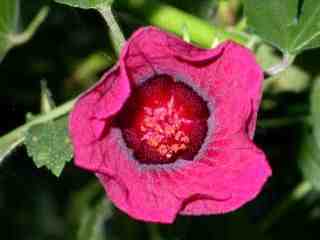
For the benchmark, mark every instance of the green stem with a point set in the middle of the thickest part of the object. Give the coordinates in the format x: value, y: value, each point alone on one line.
x: 299, y: 192
x: 173, y: 20
x: 21, y: 38
x: 286, y: 61
x: 14, y: 138
x: 117, y: 37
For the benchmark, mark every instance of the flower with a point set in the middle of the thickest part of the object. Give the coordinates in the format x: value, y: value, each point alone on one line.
x: 169, y: 129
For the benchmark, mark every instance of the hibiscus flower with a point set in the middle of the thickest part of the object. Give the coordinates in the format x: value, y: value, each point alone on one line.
x: 169, y: 129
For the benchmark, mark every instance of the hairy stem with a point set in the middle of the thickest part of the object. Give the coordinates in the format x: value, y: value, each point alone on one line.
x: 14, y: 138
x: 21, y: 38
x: 117, y: 37
x: 286, y: 61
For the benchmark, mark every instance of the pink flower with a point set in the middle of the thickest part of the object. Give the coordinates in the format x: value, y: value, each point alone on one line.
x: 169, y: 129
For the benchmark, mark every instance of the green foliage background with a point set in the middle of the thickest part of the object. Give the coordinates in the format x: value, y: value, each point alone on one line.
x: 72, y: 48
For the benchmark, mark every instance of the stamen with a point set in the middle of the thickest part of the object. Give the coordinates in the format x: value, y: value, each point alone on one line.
x: 164, y: 120
x: 162, y: 126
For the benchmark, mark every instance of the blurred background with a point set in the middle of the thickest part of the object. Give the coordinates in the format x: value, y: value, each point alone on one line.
x: 70, y: 51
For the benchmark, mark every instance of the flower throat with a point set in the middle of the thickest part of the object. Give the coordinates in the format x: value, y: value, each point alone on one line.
x: 164, y: 120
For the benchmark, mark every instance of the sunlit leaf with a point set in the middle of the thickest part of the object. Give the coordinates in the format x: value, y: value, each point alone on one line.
x: 49, y: 146
x: 290, y: 25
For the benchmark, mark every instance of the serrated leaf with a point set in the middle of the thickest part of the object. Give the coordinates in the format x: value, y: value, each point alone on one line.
x: 309, y: 160
x: 315, y: 110
x: 9, y: 15
x: 85, y: 4
x: 290, y: 25
x: 49, y: 145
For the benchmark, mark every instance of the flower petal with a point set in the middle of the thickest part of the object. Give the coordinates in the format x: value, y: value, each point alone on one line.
x: 237, y: 91
x: 92, y: 115
x: 243, y: 170
x: 228, y: 76
x: 150, y: 51
x: 226, y: 177
x: 133, y: 189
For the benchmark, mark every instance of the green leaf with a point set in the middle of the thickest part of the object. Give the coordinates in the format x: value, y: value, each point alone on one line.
x: 290, y: 25
x: 86, y: 4
x: 49, y: 145
x: 315, y: 110
x: 309, y: 160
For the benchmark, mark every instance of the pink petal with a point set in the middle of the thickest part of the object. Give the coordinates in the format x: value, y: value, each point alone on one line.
x: 222, y: 180
x: 92, y: 115
x: 228, y: 76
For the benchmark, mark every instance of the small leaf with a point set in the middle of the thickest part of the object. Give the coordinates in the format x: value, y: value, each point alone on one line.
x: 290, y: 25
x: 85, y: 4
x: 315, y: 111
x: 9, y: 23
x: 309, y: 160
x: 49, y: 145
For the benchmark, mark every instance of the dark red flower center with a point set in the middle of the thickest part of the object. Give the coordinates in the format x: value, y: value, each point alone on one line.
x: 164, y: 120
